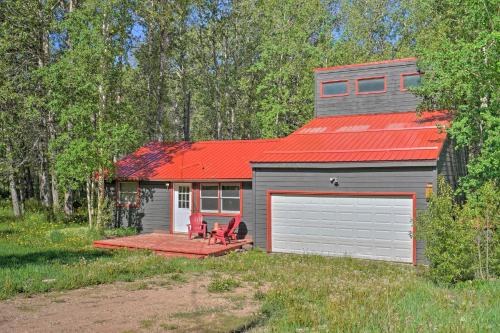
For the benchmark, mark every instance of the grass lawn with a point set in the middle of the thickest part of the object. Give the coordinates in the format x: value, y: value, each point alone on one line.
x: 303, y: 293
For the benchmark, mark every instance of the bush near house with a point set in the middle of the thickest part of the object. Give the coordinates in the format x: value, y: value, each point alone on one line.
x: 462, y: 241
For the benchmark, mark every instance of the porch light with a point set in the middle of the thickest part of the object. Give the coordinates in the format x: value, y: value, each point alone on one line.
x: 428, y: 191
x: 168, y: 185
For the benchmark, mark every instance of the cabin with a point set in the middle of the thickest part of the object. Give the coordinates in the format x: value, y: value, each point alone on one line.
x: 348, y: 183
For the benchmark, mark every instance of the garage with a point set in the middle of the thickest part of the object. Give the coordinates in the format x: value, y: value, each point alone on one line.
x: 360, y: 225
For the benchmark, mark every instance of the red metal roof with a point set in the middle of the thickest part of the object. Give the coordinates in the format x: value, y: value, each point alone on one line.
x: 355, y: 138
x: 363, y: 138
x: 203, y: 160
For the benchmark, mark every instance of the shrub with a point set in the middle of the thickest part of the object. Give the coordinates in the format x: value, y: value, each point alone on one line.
x: 33, y: 206
x: 462, y: 242
x: 119, y: 232
x: 483, y: 211
x: 449, y: 241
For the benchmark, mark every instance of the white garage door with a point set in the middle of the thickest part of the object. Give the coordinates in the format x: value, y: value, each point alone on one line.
x: 370, y: 227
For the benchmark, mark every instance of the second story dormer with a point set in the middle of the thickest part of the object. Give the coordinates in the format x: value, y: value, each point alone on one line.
x: 375, y: 87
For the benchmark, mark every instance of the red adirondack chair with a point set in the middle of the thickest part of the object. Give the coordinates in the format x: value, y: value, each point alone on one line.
x: 226, y: 231
x: 196, y: 225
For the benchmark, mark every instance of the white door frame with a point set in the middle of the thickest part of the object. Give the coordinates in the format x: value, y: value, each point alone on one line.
x: 181, y: 213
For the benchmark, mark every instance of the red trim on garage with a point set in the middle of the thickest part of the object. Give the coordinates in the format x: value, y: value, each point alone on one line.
x: 414, y: 236
x: 412, y: 195
x: 269, y: 247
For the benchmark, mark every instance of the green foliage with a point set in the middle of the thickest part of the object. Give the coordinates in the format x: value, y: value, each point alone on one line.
x: 449, y: 241
x: 119, y: 232
x: 483, y: 211
x: 33, y: 206
x: 220, y: 285
x: 86, y: 83
x: 293, y: 42
x: 459, y: 56
x: 462, y: 241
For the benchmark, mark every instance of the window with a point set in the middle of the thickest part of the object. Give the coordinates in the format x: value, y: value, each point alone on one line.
x: 209, y: 198
x: 183, y: 194
x: 220, y: 198
x: 334, y: 88
x: 409, y: 80
x: 371, y: 85
x: 230, y: 198
x: 127, y: 193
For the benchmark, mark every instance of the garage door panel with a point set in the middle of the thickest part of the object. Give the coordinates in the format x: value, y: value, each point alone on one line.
x: 358, y: 226
x: 344, y: 250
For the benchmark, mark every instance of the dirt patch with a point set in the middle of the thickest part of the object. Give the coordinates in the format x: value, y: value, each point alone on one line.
x: 163, y: 304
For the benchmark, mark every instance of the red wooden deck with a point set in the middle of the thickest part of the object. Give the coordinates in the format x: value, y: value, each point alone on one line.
x: 169, y: 245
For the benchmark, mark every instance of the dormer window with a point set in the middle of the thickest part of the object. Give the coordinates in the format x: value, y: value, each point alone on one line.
x: 371, y: 85
x: 334, y: 88
x: 409, y: 80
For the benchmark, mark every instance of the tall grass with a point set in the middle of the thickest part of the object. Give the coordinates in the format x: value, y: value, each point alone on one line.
x: 38, y: 256
x: 320, y: 294
x: 298, y: 293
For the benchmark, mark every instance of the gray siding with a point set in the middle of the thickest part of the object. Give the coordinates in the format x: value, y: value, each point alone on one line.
x: 153, y: 214
x: 393, y: 100
x: 452, y: 163
x: 409, y: 179
x: 247, y: 226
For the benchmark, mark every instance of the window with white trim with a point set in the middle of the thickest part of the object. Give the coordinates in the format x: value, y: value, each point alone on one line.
x: 220, y: 198
x: 127, y: 193
x: 183, y: 194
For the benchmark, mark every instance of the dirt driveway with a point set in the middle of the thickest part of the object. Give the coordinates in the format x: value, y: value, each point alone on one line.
x: 170, y: 303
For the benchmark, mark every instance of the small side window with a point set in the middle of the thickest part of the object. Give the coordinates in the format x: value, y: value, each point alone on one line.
x: 127, y: 193
x: 409, y: 80
x: 334, y: 88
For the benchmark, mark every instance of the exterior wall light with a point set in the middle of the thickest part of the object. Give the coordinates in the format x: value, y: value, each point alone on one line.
x: 334, y: 181
x: 428, y: 191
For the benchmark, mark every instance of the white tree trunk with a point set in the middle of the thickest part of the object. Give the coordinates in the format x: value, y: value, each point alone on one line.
x: 68, y: 202
x: 16, y: 208
x: 90, y: 201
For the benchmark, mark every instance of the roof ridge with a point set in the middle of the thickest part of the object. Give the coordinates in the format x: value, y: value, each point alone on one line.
x: 380, y: 62
x: 237, y: 140
x: 413, y: 128
x: 375, y: 114
x: 340, y: 151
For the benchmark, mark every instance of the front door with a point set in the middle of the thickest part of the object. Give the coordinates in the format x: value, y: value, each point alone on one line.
x: 182, y: 207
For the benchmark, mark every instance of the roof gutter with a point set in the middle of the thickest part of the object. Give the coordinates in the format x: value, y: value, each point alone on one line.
x: 202, y: 180
x: 343, y: 165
